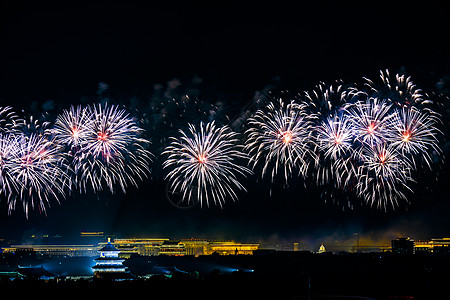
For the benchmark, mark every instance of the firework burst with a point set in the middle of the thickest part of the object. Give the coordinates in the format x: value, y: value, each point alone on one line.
x: 399, y: 90
x: 8, y: 119
x: 33, y: 171
x: 335, y: 137
x: 383, y: 176
x: 370, y: 120
x: 278, y: 136
x: 414, y: 134
x: 8, y: 151
x: 106, y: 147
x: 72, y: 127
x: 204, y: 164
x: 334, y: 151
x: 371, y: 139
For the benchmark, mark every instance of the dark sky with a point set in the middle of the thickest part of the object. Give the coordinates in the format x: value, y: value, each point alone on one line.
x: 61, y: 50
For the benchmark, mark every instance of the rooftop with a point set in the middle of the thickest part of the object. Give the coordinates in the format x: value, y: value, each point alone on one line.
x: 109, y: 247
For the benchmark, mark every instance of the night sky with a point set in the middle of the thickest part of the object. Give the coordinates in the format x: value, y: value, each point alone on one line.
x: 54, y: 54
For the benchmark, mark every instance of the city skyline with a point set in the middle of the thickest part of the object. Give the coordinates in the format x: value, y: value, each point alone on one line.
x: 89, y: 240
x: 94, y: 243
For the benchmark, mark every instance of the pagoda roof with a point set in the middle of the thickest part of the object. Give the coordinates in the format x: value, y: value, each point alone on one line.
x: 99, y: 267
x: 109, y: 259
x: 109, y: 247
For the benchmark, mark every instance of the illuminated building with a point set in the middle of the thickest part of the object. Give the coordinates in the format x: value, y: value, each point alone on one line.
x: 109, y: 261
x: 140, y: 246
x: 194, y: 247
x: 229, y: 248
x: 403, y: 246
x: 55, y: 250
x: 172, y: 248
x: 322, y: 249
x: 92, y: 234
x: 161, y: 246
x: 433, y: 246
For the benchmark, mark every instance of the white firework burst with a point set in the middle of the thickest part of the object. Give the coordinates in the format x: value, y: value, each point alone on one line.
x: 204, y: 164
x: 279, y: 138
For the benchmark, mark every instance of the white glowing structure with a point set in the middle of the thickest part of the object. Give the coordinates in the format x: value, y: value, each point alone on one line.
x: 109, y: 260
x: 322, y: 249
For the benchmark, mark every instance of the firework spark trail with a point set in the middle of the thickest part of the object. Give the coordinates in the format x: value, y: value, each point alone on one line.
x: 334, y: 149
x: 38, y: 168
x: 88, y: 147
x: 8, y: 149
x: 414, y: 134
x: 106, y: 147
x: 400, y: 90
x: 109, y: 131
x: 383, y: 175
x: 71, y: 126
x: 9, y: 120
x: 368, y: 141
x: 204, y: 163
x: 370, y: 120
x: 333, y: 135
x: 279, y: 136
x: 371, y: 139
x: 406, y: 132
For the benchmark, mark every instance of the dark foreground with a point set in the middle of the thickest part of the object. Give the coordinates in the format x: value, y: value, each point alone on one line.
x: 281, y: 275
